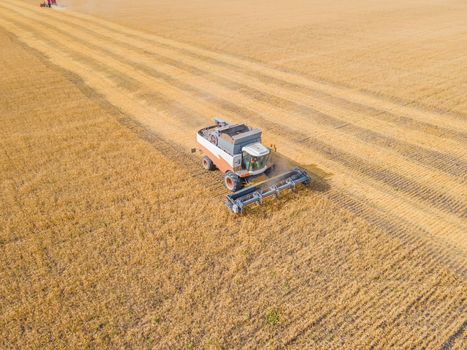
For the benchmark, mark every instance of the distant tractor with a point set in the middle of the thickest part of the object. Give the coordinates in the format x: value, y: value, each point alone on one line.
x: 237, y: 151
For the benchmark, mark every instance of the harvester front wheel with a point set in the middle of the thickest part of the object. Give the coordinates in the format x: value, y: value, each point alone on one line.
x: 207, y: 163
x: 232, y: 181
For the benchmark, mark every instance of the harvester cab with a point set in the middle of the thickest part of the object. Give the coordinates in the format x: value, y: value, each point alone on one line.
x: 237, y: 151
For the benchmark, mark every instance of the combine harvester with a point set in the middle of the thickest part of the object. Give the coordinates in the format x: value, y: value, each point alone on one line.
x: 237, y: 151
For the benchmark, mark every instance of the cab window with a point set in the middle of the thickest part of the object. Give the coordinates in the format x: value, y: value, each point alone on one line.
x: 246, y: 159
x: 252, y: 163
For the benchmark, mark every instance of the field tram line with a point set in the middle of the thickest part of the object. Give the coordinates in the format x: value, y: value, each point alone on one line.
x: 455, y: 339
x: 307, y: 326
x: 271, y: 79
x: 358, y: 310
x: 226, y: 103
x: 431, y: 158
x: 395, y: 336
x: 417, y: 156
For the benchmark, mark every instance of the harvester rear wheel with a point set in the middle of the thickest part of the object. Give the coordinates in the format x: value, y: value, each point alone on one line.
x: 232, y: 182
x: 207, y: 163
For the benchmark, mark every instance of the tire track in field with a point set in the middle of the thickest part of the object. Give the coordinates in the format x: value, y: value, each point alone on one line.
x: 405, y: 302
x: 242, y: 62
x: 433, y: 158
x: 172, y: 81
x: 303, y: 324
x: 388, y: 334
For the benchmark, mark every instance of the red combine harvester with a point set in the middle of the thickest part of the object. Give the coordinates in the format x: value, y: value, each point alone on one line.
x: 48, y: 3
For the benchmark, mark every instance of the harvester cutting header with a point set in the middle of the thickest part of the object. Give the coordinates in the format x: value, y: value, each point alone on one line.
x: 237, y: 151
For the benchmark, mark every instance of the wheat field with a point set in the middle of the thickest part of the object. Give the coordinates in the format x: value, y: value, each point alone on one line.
x: 112, y: 235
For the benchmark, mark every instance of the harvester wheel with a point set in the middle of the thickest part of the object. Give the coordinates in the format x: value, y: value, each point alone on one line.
x: 232, y: 181
x: 207, y: 163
